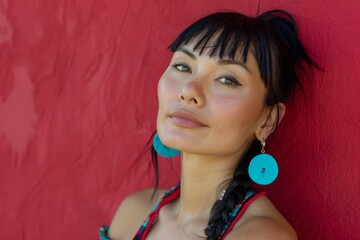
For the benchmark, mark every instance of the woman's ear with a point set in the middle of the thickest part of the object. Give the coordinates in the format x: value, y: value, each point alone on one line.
x: 273, y: 119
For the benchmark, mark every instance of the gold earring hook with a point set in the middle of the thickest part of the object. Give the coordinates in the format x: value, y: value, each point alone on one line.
x: 263, y: 146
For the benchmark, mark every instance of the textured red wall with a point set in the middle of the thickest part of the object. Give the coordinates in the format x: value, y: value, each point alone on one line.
x: 78, y: 104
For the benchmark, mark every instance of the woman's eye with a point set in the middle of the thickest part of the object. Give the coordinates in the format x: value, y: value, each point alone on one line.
x: 181, y: 67
x: 231, y: 81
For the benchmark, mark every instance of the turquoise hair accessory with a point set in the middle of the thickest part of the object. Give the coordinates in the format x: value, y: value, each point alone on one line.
x: 263, y: 168
x: 163, y: 150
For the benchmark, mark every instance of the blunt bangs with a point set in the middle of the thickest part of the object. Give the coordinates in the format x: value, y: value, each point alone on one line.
x: 218, y: 35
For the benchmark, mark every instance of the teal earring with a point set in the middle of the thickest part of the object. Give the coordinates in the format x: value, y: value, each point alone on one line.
x: 163, y: 150
x: 263, y: 168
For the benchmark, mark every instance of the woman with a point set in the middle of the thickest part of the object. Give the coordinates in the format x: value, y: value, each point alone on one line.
x: 220, y: 100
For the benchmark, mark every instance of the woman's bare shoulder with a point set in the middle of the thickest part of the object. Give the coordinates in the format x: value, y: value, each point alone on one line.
x: 132, y: 212
x: 263, y: 221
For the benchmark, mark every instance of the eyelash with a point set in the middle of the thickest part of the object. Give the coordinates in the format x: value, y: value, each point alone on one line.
x: 234, y: 81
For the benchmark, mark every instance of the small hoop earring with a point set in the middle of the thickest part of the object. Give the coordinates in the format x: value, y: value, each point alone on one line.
x: 163, y: 150
x: 263, y: 168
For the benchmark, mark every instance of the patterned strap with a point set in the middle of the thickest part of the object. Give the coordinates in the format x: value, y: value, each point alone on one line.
x: 103, y: 233
x: 238, y: 211
x: 170, y: 195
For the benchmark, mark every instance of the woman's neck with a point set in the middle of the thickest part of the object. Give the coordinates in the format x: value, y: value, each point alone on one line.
x: 201, y: 177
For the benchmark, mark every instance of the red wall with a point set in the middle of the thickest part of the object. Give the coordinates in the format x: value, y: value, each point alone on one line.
x: 78, y: 105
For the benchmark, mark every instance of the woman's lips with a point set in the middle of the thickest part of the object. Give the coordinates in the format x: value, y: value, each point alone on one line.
x: 186, y: 119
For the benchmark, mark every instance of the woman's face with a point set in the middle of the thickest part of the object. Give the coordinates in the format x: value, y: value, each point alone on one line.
x: 210, y: 106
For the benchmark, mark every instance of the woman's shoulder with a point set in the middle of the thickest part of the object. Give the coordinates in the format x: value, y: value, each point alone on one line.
x: 262, y: 220
x: 132, y: 212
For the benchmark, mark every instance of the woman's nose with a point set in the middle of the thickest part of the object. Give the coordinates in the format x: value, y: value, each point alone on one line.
x: 192, y: 93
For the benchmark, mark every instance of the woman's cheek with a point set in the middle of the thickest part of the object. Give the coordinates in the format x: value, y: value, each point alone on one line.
x: 169, y: 87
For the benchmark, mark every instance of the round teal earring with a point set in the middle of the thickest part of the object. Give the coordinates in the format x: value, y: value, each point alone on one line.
x: 263, y: 168
x: 163, y: 150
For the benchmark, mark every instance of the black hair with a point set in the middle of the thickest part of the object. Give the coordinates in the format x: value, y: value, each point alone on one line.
x: 272, y: 38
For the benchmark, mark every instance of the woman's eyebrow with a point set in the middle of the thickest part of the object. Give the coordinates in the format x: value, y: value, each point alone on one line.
x: 231, y: 61
x: 187, y: 52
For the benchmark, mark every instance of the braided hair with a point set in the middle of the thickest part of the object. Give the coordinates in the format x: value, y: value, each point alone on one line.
x: 273, y: 40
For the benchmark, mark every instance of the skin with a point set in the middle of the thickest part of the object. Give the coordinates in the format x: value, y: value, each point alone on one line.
x: 227, y: 97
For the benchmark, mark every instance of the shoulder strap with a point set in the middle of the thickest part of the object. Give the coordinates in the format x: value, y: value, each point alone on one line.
x: 151, y: 219
x: 239, y: 210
